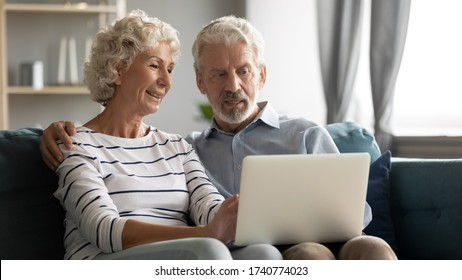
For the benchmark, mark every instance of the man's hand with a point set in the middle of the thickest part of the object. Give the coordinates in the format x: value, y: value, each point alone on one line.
x: 51, y: 154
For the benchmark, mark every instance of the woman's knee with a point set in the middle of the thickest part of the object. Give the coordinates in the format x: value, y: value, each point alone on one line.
x: 208, y: 248
x: 178, y: 249
x: 257, y: 252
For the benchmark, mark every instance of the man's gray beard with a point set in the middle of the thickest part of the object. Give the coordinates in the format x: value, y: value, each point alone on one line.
x: 234, y: 117
x: 237, y: 116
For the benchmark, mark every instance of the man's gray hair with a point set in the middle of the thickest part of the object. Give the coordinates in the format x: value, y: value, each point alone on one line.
x: 226, y: 30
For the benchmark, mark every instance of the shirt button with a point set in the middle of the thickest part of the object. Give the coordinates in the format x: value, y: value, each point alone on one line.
x: 239, y: 167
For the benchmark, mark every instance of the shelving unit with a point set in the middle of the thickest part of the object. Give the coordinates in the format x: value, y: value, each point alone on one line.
x: 49, y: 90
x: 104, y: 12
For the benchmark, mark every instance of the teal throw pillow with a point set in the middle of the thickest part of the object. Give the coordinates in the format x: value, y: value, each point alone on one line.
x: 350, y: 137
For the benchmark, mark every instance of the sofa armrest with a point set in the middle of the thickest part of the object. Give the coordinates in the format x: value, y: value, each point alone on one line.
x: 426, y: 207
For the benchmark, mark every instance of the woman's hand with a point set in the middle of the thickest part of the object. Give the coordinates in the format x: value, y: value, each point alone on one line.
x: 223, y: 225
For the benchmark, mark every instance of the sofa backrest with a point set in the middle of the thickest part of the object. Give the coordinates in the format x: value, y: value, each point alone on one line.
x: 425, y: 197
x: 426, y: 207
x: 31, y: 218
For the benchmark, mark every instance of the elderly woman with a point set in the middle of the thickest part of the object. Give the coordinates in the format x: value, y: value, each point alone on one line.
x: 129, y: 189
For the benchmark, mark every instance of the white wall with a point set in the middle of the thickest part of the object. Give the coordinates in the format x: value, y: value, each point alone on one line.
x: 294, y: 84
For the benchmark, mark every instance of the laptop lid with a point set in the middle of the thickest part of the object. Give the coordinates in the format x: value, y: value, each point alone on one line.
x: 289, y: 199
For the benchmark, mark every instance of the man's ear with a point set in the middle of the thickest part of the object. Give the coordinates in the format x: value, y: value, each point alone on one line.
x: 200, y: 82
x: 262, y: 77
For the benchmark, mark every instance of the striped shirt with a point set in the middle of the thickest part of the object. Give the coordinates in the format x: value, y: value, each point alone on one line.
x: 105, y: 180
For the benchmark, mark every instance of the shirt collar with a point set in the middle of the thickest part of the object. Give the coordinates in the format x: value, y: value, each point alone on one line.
x: 267, y: 115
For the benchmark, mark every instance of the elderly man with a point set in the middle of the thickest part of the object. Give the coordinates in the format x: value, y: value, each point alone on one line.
x: 230, y: 70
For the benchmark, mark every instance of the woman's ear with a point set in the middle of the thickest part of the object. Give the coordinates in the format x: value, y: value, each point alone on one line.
x: 121, y: 69
x: 118, y: 81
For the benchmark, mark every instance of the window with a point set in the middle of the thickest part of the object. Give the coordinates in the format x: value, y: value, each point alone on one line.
x: 428, y: 92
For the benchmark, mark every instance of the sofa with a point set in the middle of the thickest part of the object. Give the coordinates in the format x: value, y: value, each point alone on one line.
x: 422, y: 199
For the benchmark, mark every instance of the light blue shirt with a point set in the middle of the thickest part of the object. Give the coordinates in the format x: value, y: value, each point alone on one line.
x: 222, y: 152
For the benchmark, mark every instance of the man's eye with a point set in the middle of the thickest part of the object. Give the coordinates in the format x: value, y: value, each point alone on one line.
x: 244, y: 71
x: 219, y: 74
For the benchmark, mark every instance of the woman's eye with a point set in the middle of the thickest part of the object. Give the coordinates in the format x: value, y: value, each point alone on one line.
x: 155, y: 66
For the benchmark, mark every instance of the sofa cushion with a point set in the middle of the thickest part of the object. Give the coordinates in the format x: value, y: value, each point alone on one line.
x: 426, y: 204
x: 30, y: 216
x: 378, y: 197
x: 350, y: 137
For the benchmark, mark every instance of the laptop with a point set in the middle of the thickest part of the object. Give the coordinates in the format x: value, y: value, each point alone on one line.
x: 290, y: 199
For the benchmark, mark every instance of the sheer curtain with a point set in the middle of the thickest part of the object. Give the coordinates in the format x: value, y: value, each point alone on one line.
x: 339, y: 34
x: 389, y: 22
x: 339, y: 25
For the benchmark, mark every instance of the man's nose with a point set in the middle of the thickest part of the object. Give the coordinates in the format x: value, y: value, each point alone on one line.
x: 233, y: 83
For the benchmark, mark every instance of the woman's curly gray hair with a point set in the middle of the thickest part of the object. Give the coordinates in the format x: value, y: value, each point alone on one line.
x: 115, y: 47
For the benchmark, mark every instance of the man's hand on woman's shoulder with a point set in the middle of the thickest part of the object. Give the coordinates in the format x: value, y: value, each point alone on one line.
x: 60, y: 130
